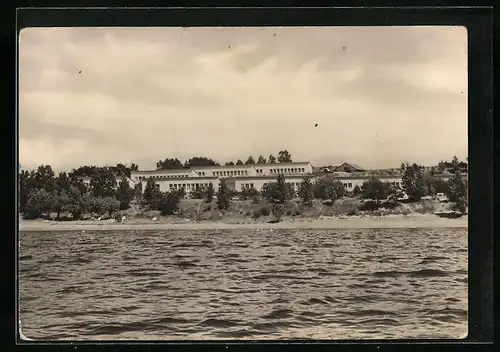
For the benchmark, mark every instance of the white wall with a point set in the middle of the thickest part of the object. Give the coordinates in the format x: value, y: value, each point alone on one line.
x: 258, y: 183
x: 167, y: 185
x: 226, y: 171
x: 162, y: 175
x: 285, y: 168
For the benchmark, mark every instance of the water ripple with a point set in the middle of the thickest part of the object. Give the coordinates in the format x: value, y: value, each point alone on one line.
x: 232, y: 284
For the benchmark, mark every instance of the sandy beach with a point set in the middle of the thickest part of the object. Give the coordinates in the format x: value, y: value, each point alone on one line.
x: 390, y: 221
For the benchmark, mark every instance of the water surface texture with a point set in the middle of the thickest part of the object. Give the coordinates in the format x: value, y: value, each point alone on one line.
x: 244, y: 284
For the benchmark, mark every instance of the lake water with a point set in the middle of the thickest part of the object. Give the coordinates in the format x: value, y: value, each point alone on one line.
x: 244, y: 284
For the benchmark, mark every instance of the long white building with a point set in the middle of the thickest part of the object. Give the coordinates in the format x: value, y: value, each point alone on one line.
x: 236, y: 176
x: 255, y: 176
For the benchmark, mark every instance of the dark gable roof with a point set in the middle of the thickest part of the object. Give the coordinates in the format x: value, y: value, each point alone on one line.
x: 354, y: 166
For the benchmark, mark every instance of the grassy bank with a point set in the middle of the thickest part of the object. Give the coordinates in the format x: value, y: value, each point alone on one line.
x: 344, y: 213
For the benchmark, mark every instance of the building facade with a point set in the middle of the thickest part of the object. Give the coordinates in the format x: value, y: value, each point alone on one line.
x: 239, y: 177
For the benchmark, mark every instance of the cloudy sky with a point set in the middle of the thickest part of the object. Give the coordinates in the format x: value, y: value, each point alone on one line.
x: 379, y: 95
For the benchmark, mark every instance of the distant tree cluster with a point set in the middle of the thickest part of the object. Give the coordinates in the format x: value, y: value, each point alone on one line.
x: 173, y: 163
x: 41, y: 192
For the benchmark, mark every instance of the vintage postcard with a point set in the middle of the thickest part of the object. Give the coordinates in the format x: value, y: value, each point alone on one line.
x: 243, y: 183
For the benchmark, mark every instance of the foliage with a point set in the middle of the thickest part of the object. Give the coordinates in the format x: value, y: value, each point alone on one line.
x: 103, y: 182
x: 138, y: 191
x: 223, y: 195
x: 39, y: 202
x: 457, y: 191
x: 198, y: 193
x: 261, y: 160
x: 357, y: 190
x: 413, y: 182
x: 200, y: 161
x: 248, y: 192
x: 44, y: 178
x: 210, y: 193
x: 271, y: 159
x: 278, y: 211
x: 250, y: 161
x: 328, y: 188
x: 306, y: 190
x: 229, y: 163
x: 374, y: 189
x: 169, y: 202
x: 152, y: 194
x: 261, y: 211
x: 110, y: 205
x: 284, y: 156
x: 239, y: 162
x: 75, y: 205
x: 169, y: 164
x: 92, y: 204
x: 278, y: 191
x: 124, y: 194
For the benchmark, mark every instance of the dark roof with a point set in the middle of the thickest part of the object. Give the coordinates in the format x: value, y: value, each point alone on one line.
x: 354, y: 166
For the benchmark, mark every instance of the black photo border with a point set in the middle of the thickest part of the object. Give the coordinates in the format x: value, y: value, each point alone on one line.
x: 479, y: 24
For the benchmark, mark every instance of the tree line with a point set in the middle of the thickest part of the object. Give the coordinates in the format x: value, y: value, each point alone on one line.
x: 173, y: 163
x: 41, y: 192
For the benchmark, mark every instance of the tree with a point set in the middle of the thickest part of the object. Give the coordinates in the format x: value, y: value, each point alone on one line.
x: 121, y: 170
x: 455, y: 164
x: 278, y: 212
x: 278, y: 191
x: 62, y: 182
x: 210, y: 192
x: 110, y: 205
x: 198, y: 193
x: 306, y: 190
x: 152, y: 194
x: 223, y: 195
x: 103, y: 182
x: 457, y: 188
x: 250, y: 161
x: 441, y: 167
x: 59, y: 200
x: 200, y: 161
x: 75, y: 205
x: 327, y: 188
x: 357, y: 190
x: 138, y: 191
x: 45, y: 178
x: 134, y: 167
x: 94, y: 205
x: 39, y: 203
x: 239, y: 162
x: 25, y: 186
x: 271, y: 159
x: 261, y: 160
x: 124, y: 194
x: 248, y: 192
x: 229, y: 163
x: 169, y: 164
x: 374, y: 189
x: 413, y: 182
x: 284, y: 157
x: 169, y: 202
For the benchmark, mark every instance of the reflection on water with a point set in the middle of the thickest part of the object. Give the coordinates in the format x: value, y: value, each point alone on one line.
x: 244, y: 284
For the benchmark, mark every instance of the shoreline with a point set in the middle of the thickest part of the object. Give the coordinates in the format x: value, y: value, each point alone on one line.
x: 382, y: 222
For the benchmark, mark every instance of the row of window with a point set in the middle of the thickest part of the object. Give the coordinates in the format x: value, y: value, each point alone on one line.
x: 188, y: 186
x: 231, y: 173
x: 288, y: 170
x: 397, y: 184
x: 162, y: 177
